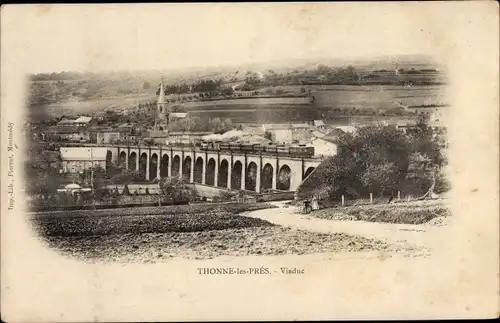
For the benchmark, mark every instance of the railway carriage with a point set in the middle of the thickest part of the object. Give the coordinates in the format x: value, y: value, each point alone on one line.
x: 234, y: 147
x: 283, y: 150
x: 302, y: 151
x: 270, y: 148
x: 247, y: 147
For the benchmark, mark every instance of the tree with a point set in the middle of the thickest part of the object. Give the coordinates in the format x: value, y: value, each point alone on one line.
x: 423, y: 140
x: 381, y: 159
x: 126, y: 190
x: 227, y: 91
x: 175, y: 189
x: 269, y: 91
x: 128, y: 176
x: 378, y: 178
x: 217, y: 125
x: 323, y: 69
x: 373, y: 158
x: 227, y: 196
x: 42, y: 179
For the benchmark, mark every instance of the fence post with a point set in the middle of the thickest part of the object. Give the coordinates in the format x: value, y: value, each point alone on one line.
x: 343, y: 201
x: 399, y: 196
x: 371, y: 198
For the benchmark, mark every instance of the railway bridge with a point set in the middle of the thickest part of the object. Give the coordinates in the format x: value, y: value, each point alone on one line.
x: 237, y: 170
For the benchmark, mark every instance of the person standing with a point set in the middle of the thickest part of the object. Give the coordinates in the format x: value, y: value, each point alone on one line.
x: 314, y: 204
x: 307, y: 206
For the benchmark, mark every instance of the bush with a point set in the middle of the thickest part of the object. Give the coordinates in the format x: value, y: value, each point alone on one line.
x: 126, y: 191
x: 227, y: 196
x: 175, y: 189
x: 442, y: 184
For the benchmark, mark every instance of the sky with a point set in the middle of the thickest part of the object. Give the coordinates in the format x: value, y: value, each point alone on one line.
x: 53, y: 38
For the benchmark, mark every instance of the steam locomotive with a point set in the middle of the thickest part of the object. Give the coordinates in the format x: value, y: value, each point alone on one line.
x: 287, y: 150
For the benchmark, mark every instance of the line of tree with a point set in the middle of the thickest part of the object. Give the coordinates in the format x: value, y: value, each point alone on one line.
x: 215, y: 125
x: 210, y: 85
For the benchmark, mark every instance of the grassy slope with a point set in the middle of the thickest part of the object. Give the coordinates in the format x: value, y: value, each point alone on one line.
x: 417, y: 212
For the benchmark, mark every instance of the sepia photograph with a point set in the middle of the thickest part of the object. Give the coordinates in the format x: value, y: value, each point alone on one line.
x: 308, y: 153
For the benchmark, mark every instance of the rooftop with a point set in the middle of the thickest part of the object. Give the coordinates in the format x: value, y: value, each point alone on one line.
x: 83, y: 153
x: 165, y: 134
x: 277, y: 126
x: 178, y: 114
x: 67, y: 129
x: 47, y: 156
x: 254, y: 139
x: 335, y: 133
x: 82, y: 119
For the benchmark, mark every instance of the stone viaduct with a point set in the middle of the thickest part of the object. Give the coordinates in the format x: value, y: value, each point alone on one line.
x: 235, y: 170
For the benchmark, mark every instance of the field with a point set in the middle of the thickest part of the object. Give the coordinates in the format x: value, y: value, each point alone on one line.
x: 246, y: 101
x: 417, y: 212
x: 328, y: 98
x: 76, y: 107
x: 271, y: 110
x: 378, y: 96
x: 188, y: 233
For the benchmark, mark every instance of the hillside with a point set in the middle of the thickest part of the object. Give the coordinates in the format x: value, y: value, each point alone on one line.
x: 76, y: 92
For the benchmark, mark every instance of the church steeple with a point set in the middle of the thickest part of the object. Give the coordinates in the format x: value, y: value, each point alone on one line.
x: 161, y: 120
x: 161, y: 97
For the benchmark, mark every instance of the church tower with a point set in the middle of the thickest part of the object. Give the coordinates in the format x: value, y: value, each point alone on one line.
x: 162, y: 114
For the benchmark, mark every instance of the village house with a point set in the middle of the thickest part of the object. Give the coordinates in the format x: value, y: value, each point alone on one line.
x: 78, y: 159
x: 319, y: 124
x: 109, y: 136
x: 78, y: 122
x: 317, y: 134
x: 125, y: 133
x: 69, y: 133
x: 288, y: 133
x: 346, y: 129
x: 324, y: 146
x: 177, y: 115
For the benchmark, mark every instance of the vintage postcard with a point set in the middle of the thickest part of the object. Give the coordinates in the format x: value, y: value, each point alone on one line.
x: 250, y: 161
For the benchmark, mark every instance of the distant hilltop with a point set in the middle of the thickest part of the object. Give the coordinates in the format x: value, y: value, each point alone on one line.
x: 380, y: 62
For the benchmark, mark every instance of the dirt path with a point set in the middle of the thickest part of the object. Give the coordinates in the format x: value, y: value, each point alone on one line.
x: 417, y: 235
